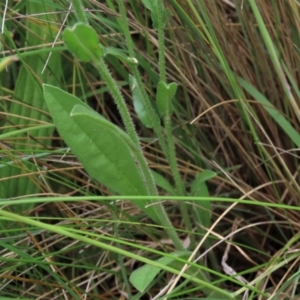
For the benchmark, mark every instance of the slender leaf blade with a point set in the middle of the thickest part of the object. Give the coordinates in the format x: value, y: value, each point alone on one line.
x: 138, y: 104
x: 275, y: 114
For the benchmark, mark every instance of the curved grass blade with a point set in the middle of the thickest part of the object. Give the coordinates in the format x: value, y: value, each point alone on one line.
x: 276, y: 115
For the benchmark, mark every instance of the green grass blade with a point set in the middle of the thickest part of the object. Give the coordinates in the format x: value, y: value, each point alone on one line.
x: 30, y: 108
x: 274, y: 113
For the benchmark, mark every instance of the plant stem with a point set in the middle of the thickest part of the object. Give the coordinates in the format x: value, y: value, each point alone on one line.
x: 146, y: 102
x: 80, y: 13
x: 167, y: 118
x: 148, y: 179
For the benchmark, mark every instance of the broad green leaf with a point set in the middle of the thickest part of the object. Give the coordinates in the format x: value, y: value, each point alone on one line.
x: 143, y: 276
x: 104, y: 150
x: 138, y: 102
x: 164, y: 96
x: 82, y: 41
x: 106, y: 154
x: 99, y: 145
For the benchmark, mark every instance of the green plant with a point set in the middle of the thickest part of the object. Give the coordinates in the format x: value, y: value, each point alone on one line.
x: 99, y: 144
x: 185, y: 125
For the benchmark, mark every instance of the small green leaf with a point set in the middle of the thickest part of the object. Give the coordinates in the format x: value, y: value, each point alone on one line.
x: 82, y: 41
x: 142, y: 277
x: 152, y: 6
x: 138, y: 102
x: 164, y: 96
x: 199, y: 188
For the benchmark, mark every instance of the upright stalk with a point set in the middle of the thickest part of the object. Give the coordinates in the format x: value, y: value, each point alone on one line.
x: 146, y: 102
x: 154, y: 118
x: 167, y: 118
x: 81, y: 15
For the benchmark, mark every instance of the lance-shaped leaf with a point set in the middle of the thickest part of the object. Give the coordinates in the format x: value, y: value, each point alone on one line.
x: 105, y: 151
x: 138, y: 103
